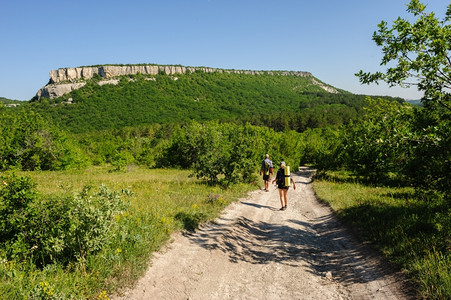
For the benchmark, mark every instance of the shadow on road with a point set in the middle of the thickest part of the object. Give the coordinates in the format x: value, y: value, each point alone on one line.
x: 256, y: 205
x: 322, y: 245
x: 322, y: 248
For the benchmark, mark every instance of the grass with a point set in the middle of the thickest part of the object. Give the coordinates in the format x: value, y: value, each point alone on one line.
x: 412, y: 229
x: 162, y: 201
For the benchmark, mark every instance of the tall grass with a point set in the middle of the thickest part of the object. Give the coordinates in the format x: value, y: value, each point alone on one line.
x: 161, y: 201
x: 412, y: 228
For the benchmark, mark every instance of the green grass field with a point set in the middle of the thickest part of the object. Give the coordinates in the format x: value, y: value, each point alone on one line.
x: 161, y: 201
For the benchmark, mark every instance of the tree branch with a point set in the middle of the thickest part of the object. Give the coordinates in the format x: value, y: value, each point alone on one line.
x: 442, y: 103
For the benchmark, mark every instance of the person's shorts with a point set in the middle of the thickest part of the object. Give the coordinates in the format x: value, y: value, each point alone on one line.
x: 266, y: 177
x: 283, y: 187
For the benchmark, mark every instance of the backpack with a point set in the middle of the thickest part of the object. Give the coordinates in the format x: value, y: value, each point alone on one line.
x: 267, y: 168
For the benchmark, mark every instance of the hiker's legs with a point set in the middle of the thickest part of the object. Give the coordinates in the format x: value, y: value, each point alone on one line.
x: 266, y: 181
x: 285, y: 197
x: 281, y: 196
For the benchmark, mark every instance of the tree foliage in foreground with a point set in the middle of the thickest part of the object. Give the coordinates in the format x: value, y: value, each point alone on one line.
x: 421, y: 51
x: 379, y: 143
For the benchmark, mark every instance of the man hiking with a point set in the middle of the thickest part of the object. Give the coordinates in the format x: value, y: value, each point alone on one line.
x: 266, y: 170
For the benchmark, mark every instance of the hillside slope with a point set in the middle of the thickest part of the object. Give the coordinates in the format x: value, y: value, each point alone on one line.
x: 137, y: 99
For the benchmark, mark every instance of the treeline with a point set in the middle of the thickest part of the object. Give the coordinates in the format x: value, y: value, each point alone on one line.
x: 316, y: 110
x: 396, y: 143
x: 391, y: 142
x: 316, y: 117
x: 213, y: 150
x: 30, y: 142
x: 10, y: 101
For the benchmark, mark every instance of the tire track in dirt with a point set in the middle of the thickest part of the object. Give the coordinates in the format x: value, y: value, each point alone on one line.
x: 255, y: 251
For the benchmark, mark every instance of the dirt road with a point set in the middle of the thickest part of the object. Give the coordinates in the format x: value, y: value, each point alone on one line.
x: 255, y: 251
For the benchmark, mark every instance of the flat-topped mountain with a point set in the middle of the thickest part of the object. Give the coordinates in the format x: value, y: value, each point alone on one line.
x: 114, y: 96
x: 65, y: 80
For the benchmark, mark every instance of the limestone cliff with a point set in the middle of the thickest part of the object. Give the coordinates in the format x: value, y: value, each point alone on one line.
x: 65, y: 80
x: 107, y: 71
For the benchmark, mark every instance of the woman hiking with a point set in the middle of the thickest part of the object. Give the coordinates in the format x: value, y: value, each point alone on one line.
x: 283, y: 186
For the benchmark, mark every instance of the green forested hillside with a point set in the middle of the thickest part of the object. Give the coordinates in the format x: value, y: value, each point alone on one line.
x: 9, y: 101
x: 277, y: 101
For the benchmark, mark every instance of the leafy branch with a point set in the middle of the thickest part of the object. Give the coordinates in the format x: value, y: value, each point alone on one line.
x: 419, y: 50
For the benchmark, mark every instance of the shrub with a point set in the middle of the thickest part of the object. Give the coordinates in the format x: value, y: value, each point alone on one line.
x: 16, y: 193
x: 56, y: 230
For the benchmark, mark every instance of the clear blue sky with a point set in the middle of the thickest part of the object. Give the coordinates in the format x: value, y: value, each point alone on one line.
x: 329, y: 38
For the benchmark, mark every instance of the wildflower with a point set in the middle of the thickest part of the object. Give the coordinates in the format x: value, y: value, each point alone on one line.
x: 46, y: 288
x: 103, y: 295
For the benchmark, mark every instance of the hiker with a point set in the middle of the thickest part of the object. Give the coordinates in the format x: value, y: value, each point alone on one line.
x: 266, y: 169
x: 283, y: 183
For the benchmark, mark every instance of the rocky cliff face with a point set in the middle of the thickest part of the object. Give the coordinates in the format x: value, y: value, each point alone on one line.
x: 71, y: 74
x: 51, y: 91
x: 65, y: 80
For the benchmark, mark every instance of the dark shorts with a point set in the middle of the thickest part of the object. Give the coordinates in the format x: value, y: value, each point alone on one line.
x: 266, y: 177
x: 283, y: 187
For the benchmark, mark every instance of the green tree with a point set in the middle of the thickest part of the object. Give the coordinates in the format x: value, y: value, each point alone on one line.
x: 30, y: 142
x: 420, y: 51
x: 379, y: 144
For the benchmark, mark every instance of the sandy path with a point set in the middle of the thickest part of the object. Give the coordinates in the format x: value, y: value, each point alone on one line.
x: 255, y: 251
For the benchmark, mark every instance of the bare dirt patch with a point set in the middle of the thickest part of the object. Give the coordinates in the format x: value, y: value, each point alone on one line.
x: 255, y: 251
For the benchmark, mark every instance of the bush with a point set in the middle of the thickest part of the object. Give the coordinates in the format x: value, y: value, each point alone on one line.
x: 57, y: 230
x: 16, y: 194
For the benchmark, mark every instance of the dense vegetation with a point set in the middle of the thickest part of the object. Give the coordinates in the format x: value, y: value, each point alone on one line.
x: 29, y: 142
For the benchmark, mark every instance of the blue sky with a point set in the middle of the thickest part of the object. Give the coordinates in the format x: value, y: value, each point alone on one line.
x: 329, y: 38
